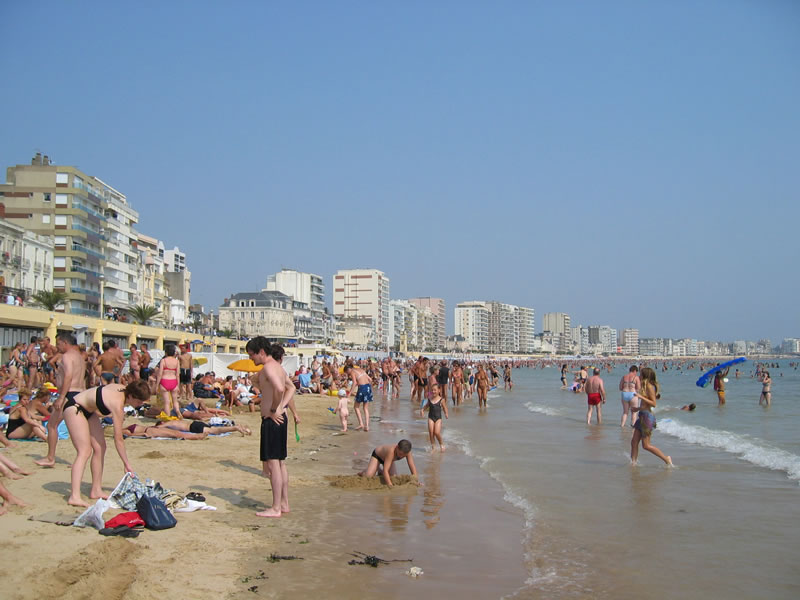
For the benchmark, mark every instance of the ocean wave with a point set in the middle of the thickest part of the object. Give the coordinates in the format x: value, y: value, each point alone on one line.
x: 545, y: 410
x: 755, y: 452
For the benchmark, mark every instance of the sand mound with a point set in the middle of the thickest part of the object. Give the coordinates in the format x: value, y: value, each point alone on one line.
x: 153, y: 454
x: 102, y: 570
x: 355, y: 482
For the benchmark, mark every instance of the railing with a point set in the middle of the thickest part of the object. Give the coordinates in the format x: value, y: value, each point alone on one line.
x: 86, y: 271
x: 85, y: 311
x: 26, y: 264
x: 89, y: 231
x: 85, y: 208
x: 79, y: 248
x: 84, y: 291
x: 37, y: 267
x: 6, y: 290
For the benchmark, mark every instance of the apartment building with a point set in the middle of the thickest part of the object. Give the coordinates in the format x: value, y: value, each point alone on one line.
x: 557, y: 325
x: 359, y: 293
x: 26, y: 260
x: 248, y: 314
x: 630, y: 342
x: 308, y: 289
x: 438, y: 309
x: 472, y: 323
x: 87, y: 218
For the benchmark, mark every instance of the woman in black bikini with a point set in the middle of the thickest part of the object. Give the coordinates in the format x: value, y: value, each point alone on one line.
x: 435, y: 406
x: 21, y: 422
x: 86, y: 432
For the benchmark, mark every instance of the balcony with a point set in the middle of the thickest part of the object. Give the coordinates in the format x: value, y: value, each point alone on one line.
x: 85, y: 208
x: 37, y: 268
x: 85, y: 250
x: 92, y: 232
x: 86, y: 271
x: 85, y: 292
x: 85, y: 311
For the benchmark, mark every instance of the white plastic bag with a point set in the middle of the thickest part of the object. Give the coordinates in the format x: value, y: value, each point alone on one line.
x: 93, y: 515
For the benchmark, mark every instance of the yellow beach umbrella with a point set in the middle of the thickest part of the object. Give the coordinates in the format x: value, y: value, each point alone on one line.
x: 245, y: 365
x: 201, y: 360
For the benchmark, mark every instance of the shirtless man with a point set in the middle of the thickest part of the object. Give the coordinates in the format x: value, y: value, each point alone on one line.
x: 360, y: 380
x: 185, y: 377
x: 271, y: 380
x: 482, y: 385
x: 107, y: 367
x: 383, y: 459
x: 582, y: 375
x: 71, y: 381
x: 144, y: 362
x: 719, y: 385
x: 33, y: 358
x: 458, y: 383
x: 595, y: 395
x: 50, y: 357
x: 507, y: 383
x: 327, y: 375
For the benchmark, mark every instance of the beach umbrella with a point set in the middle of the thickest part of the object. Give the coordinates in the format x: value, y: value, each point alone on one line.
x: 245, y: 365
x: 200, y: 360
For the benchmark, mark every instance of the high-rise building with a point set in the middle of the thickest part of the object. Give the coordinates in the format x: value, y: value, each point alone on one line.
x: 307, y: 288
x: 437, y: 307
x: 526, y: 318
x: 359, y: 293
x: 472, y: 323
x: 558, y: 326
x: 630, y: 342
x: 83, y: 214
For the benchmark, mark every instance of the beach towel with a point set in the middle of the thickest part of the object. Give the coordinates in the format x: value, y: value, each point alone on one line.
x: 131, y: 488
x: 194, y: 505
x: 63, y: 432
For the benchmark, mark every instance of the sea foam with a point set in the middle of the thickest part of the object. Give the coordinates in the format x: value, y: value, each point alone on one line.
x: 546, y: 410
x: 756, y: 451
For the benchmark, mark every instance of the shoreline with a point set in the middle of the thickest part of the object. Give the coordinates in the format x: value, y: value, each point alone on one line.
x: 227, y: 552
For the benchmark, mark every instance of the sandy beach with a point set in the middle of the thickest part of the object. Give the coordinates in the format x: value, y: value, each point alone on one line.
x: 230, y: 552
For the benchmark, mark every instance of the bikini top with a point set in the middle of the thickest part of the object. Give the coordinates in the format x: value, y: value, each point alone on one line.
x: 98, y: 400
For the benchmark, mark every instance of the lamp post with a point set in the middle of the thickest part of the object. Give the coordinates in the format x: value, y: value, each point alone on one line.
x: 102, y: 291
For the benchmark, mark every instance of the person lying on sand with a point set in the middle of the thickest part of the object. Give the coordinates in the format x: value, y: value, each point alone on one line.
x: 382, y: 461
x: 200, y: 412
x: 184, y: 430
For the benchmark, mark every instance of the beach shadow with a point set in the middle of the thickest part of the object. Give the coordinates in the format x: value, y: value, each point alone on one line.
x: 59, y: 461
x: 62, y: 488
x: 235, y: 497
x: 241, y: 467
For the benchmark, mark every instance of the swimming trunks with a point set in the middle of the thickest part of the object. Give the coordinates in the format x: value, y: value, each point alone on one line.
x: 197, y: 427
x: 594, y: 399
x: 186, y: 376
x: 380, y: 460
x: 273, y: 439
x: 364, y: 393
x: 628, y: 396
x: 107, y: 377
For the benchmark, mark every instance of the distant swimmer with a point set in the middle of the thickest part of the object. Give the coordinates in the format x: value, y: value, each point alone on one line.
x: 766, y: 389
x: 383, y: 459
x: 564, y: 377
x: 689, y: 407
x: 595, y: 396
x: 628, y: 386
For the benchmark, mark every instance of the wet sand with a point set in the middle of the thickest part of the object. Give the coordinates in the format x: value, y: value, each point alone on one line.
x: 457, y: 528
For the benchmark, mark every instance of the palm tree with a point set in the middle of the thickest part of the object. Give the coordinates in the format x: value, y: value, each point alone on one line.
x: 226, y: 333
x: 143, y: 313
x: 49, y: 300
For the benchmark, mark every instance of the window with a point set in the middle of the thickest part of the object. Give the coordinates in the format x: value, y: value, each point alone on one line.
x: 58, y: 282
x: 60, y: 240
x: 62, y: 177
x: 47, y: 197
x: 61, y: 199
x: 61, y: 219
x: 45, y: 219
x: 59, y: 261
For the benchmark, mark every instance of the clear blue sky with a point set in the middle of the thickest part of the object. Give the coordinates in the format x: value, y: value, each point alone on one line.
x: 631, y: 163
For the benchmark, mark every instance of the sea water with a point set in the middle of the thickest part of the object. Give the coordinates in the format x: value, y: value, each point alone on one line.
x: 723, y: 523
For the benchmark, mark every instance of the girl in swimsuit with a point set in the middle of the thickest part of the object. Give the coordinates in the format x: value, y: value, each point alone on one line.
x: 86, y: 432
x: 766, y: 393
x: 647, y: 421
x: 21, y: 423
x: 167, y: 377
x: 435, y: 406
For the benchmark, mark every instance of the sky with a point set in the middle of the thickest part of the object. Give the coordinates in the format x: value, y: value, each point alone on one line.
x: 633, y: 164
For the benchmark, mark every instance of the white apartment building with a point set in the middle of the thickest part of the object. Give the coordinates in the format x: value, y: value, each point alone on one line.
x: 121, y: 267
x: 153, y: 289
x: 472, y: 323
x: 526, y: 318
x: 307, y: 288
x: 26, y: 259
x: 558, y: 326
x: 361, y: 293
x: 790, y: 346
x: 437, y: 307
x: 415, y: 326
x: 503, y: 328
x: 630, y: 342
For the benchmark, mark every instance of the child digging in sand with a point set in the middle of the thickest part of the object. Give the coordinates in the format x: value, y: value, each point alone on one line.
x: 382, y: 461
